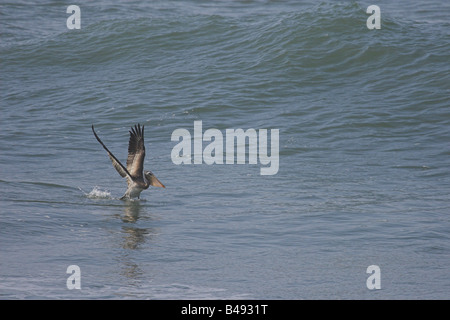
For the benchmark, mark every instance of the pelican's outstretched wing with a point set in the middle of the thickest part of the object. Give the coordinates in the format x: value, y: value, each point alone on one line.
x: 116, y: 163
x: 136, y: 152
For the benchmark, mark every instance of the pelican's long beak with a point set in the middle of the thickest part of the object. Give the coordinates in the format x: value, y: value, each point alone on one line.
x: 155, y: 182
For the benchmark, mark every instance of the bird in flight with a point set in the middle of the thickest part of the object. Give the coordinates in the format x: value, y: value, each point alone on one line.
x: 137, y: 179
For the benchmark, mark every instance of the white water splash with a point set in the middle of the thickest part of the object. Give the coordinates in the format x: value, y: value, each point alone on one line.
x: 97, y: 193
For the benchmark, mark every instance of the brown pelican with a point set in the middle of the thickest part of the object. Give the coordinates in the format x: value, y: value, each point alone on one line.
x: 137, y: 178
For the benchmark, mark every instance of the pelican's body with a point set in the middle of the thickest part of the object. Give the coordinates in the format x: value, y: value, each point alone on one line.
x: 137, y: 179
x: 134, y: 190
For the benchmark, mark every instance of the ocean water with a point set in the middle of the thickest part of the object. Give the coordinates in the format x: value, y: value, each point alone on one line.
x: 364, y: 150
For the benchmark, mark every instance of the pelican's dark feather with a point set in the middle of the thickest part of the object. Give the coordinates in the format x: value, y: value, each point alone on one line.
x: 136, y: 152
x: 116, y: 163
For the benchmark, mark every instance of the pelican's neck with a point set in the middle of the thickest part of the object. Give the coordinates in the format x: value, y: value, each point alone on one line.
x: 146, y: 182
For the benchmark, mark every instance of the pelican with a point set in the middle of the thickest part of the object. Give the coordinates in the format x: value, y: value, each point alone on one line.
x: 137, y: 178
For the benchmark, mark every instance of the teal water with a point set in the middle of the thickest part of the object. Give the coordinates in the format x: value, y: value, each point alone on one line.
x: 364, y: 169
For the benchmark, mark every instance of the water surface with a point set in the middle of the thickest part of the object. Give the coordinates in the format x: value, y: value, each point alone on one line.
x: 364, y: 175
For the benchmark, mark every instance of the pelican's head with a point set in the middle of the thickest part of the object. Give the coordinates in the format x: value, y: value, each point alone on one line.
x: 153, y: 181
